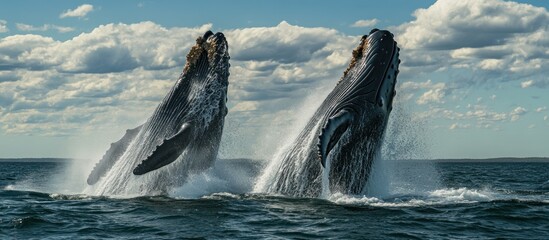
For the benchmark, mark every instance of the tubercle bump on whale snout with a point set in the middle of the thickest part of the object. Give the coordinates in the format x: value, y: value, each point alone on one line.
x: 207, y: 34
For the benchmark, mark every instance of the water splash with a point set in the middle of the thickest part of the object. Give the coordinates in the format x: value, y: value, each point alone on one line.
x: 393, y: 171
x: 235, y: 176
x: 303, y: 113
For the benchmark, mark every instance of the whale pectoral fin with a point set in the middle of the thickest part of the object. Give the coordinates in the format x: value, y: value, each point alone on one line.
x: 112, y: 155
x: 167, y: 152
x: 332, y: 132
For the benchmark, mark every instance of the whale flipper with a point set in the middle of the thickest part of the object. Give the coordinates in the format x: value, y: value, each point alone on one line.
x: 332, y: 132
x: 112, y: 155
x: 167, y: 152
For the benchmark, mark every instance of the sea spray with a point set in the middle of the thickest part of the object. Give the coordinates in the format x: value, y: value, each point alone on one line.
x: 300, y: 116
x: 393, y: 172
x: 235, y: 176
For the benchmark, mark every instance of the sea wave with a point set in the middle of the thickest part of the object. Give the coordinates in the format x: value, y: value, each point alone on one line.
x: 436, y: 197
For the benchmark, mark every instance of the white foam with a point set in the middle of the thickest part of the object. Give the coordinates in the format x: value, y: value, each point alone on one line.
x: 462, y: 195
x: 353, y: 200
x: 58, y: 196
x: 436, y: 197
x: 221, y: 195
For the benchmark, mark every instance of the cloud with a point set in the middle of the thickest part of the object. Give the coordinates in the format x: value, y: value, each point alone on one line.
x: 433, y: 95
x: 245, y: 106
x: 80, y: 12
x: 365, y: 23
x: 455, y: 126
x: 15, y: 51
x: 114, y: 75
x: 448, y: 24
x: 532, y: 83
x: 285, y: 61
x: 491, y: 41
x: 517, y: 112
x: 475, y: 48
x: 541, y: 109
x: 3, y: 26
x: 284, y: 43
x: 480, y: 115
x: 526, y: 84
x: 108, y: 48
x: 45, y: 27
x: 434, y: 92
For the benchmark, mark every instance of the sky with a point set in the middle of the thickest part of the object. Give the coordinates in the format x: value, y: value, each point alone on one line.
x: 74, y: 75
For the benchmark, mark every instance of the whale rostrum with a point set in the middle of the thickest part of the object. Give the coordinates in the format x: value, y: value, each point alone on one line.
x: 185, y: 128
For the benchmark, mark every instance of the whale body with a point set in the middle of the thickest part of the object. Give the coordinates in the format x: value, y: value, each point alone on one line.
x: 183, y: 134
x: 336, y: 149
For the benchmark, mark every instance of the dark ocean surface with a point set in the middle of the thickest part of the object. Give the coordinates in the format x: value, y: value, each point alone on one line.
x: 407, y: 200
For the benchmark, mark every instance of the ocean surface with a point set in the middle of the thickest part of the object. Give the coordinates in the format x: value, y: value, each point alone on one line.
x: 405, y: 200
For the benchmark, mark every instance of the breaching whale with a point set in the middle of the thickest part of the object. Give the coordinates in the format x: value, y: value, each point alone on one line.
x: 339, y: 143
x: 186, y: 126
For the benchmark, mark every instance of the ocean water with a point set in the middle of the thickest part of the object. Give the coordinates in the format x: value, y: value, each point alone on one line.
x: 406, y: 200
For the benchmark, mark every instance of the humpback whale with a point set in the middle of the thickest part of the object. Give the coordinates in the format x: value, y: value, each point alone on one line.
x: 336, y: 149
x: 186, y: 126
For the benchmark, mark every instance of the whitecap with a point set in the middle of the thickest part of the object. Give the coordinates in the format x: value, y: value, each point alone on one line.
x: 456, y: 195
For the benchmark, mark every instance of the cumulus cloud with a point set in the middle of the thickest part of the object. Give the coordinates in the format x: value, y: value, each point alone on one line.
x: 455, y: 126
x: 448, y: 24
x: 108, y: 48
x: 285, y: 61
x: 115, y: 74
x: 433, y: 95
x: 527, y: 84
x: 517, y: 112
x: 475, y: 48
x: 284, y: 43
x: 245, y: 106
x: 365, y: 23
x: 80, y: 12
x: 15, y: 52
x: 541, y: 109
x: 481, y: 115
x: 532, y: 83
x: 3, y: 26
x: 497, y: 40
x: 45, y: 27
x: 433, y: 92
